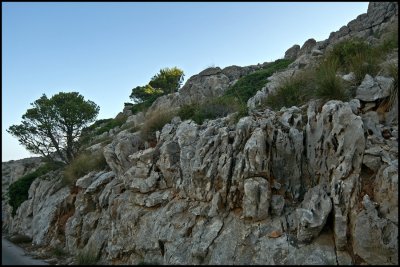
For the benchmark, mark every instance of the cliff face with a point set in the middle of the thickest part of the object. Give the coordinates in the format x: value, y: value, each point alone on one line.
x: 316, y: 184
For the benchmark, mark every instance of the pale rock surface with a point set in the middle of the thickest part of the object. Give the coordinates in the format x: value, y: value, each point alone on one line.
x: 372, y: 89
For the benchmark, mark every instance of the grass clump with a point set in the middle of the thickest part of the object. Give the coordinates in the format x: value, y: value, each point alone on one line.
x: 82, y: 165
x: 18, y: 191
x: 292, y: 91
x: 353, y: 55
x: 328, y: 85
x: 87, y: 257
x: 212, y: 109
x: 155, y: 122
x: 59, y: 252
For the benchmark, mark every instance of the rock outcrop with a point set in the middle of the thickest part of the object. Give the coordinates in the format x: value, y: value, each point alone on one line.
x: 316, y: 184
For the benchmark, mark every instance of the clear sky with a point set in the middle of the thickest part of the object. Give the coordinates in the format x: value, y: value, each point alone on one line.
x: 103, y: 50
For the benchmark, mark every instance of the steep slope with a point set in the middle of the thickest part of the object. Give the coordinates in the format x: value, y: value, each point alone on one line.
x: 315, y: 184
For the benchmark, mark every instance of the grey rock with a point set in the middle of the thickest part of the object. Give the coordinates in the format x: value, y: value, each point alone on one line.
x: 350, y: 77
x: 374, y: 238
x: 371, y: 123
x: 292, y: 52
x: 307, y: 47
x: 256, y: 200
x: 277, y: 204
x: 386, y: 191
x: 99, y: 180
x: 355, y: 105
x: 316, y: 52
x: 135, y: 119
x: 372, y: 89
x: 313, y: 213
x: 372, y: 162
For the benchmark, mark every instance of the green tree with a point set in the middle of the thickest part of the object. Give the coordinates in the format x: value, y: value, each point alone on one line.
x: 168, y: 80
x: 53, y: 126
x: 145, y: 93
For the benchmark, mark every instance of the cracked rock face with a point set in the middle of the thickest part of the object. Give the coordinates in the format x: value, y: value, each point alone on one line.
x: 316, y: 184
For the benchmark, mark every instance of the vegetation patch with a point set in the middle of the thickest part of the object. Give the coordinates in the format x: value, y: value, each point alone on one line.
x: 212, y: 109
x: 235, y: 98
x: 18, y: 191
x: 87, y: 257
x: 98, y: 128
x: 155, y: 122
x: 324, y: 82
x: 59, y: 252
x: 20, y: 239
x: 82, y: 165
x: 292, y: 91
x: 247, y: 86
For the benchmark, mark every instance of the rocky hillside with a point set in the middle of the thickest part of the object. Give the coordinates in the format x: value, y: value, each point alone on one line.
x: 309, y: 184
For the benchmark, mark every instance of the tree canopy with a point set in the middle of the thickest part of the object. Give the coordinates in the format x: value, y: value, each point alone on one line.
x: 53, y: 126
x: 167, y: 81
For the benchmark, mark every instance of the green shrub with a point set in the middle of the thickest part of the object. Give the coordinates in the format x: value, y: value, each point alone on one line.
x: 87, y: 257
x: 98, y: 128
x: 143, y: 106
x: 111, y: 124
x: 82, y: 165
x: 18, y: 191
x: 356, y: 56
x: 394, y: 91
x: 188, y: 111
x: 59, y: 252
x: 390, y: 38
x: 19, y: 239
x: 247, y: 86
x: 328, y: 85
x: 155, y: 122
x: 212, y: 109
x: 292, y: 91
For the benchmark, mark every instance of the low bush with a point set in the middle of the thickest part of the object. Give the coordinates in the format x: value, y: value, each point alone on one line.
x: 20, y: 239
x: 87, y: 257
x: 82, y: 165
x: 328, y: 85
x: 59, y: 252
x: 154, y: 122
x: 98, y: 128
x: 292, y: 91
x: 143, y: 106
x: 18, y: 191
x: 111, y: 124
x: 248, y: 85
x: 212, y: 109
x: 390, y: 38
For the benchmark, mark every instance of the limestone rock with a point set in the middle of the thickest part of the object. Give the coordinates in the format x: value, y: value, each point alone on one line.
x: 313, y: 213
x: 116, y: 153
x: 256, y: 201
x: 386, y: 191
x: 99, y: 180
x: 277, y: 204
x: 292, y: 52
x: 372, y: 89
x: 307, y: 47
x: 375, y: 238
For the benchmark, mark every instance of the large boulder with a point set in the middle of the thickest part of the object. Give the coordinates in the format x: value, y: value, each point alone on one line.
x: 292, y: 52
x: 372, y: 89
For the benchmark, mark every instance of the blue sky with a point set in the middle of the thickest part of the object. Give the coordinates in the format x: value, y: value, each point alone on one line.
x: 103, y: 50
